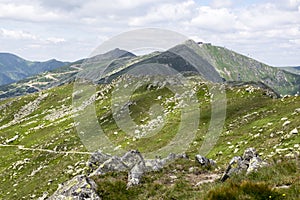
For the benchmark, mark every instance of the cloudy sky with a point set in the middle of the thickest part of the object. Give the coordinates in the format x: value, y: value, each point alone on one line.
x: 267, y: 30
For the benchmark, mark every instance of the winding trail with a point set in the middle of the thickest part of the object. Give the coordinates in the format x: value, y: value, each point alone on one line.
x: 45, y: 150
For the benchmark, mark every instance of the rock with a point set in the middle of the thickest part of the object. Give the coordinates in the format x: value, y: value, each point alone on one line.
x: 294, y: 131
x: 132, y: 158
x: 235, y: 161
x: 249, y: 162
x: 297, y: 110
x: 249, y: 154
x: 97, y: 158
x: 286, y: 123
x: 79, y: 188
x: 113, y: 164
x: 45, y: 195
x: 254, y: 164
x: 154, y: 165
x: 12, y: 139
x: 135, y: 174
x: 205, y: 161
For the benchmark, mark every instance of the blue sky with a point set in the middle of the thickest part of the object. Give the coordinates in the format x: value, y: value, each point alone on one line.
x: 266, y: 30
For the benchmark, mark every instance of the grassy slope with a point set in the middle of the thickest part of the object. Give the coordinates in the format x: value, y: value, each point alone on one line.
x: 248, y: 124
x: 236, y: 67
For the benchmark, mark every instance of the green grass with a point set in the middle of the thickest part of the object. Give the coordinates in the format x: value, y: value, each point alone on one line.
x: 240, y: 132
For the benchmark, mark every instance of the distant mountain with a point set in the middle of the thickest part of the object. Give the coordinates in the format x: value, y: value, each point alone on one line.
x: 212, y: 63
x: 294, y: 70
x: 14, y: 68
x: 63, y: 75
x: 233, y: 66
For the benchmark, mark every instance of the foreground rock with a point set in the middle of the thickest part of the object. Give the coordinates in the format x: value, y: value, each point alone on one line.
x: 132, y: 161
x: 82, y: 187
x: 78, y: 188
x: 249, y: 162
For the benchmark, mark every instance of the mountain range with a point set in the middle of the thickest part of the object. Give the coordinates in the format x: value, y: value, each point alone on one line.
x: 14, y: 68
x: 213, y: 63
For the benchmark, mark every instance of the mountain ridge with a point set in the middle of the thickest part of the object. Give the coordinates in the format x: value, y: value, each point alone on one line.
x: 14, y: 68
x: 213, y: 63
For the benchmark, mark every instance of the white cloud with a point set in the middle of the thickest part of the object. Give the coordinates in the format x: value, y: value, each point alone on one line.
x: 55, y: 40
x: 266, y: 16
x: 221, y: 3
x: 219, y: 19
x: 16, y: 34
x: 165, y: 13
x: 24, y: 12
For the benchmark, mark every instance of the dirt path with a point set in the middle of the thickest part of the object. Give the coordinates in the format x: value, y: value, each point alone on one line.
x: 44, y: 150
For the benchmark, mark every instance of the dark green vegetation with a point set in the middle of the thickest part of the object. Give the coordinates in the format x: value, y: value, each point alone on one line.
x: 253, y: 120
x: 14, y: 68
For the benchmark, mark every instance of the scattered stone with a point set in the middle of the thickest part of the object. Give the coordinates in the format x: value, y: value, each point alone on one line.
x: 294, y: 131
x: 12, y: 139
x: 45, y: 195
x: 286, y: 123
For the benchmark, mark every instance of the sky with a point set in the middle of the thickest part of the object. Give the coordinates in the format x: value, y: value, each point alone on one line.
x: 68, y: 30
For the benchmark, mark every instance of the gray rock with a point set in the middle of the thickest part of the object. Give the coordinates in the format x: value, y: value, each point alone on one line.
x: 97, y: 158
x: 255, y: 164
x: 154, y: 164
x: 78, y: 188
x: 132, y: 158
x: 114, y: 164
x: 249, y: 162
x: 135, y: 174
x: 249, y: 154
x: 205, y: 161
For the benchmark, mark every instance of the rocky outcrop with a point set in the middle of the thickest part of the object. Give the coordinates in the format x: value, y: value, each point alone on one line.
x: 83, y: 187
x: 249, y: 162
x: 78, y: 188
x: 133, y: 162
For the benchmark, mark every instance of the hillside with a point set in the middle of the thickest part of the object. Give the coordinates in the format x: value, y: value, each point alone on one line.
x: 14, y: 68
x: 40, y: 147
